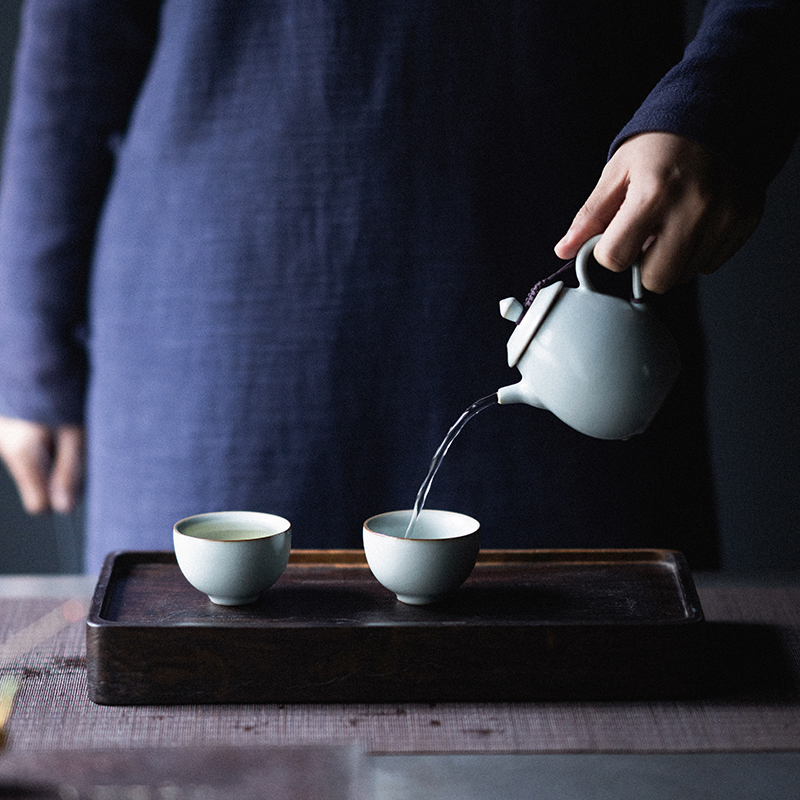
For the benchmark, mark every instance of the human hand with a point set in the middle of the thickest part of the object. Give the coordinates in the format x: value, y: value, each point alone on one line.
x: 666, y: 198
x: 47, y: 464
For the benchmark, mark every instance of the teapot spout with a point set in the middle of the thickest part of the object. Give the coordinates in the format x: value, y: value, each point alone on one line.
x: 518, y: 393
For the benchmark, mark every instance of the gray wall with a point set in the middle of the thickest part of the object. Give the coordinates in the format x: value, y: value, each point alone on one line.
x: 752, y: 322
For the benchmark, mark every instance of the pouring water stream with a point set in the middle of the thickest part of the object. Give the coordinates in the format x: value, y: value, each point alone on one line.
x: 422, y: 494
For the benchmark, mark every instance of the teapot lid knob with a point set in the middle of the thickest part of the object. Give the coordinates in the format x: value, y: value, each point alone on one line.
x: 511, y: 309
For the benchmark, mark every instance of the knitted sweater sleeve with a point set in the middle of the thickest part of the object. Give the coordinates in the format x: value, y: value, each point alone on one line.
x: 737, y: 89
x: 79, y: 65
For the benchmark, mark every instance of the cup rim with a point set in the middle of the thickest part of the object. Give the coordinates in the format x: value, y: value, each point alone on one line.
x: 474, y: 532
x: 284, y: 526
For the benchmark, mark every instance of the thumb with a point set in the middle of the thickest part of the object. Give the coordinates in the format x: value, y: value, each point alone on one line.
x: 66, y: 479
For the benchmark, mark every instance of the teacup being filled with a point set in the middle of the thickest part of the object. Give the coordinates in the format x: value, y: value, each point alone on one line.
x: 232, y: 556
x: 433, y: 561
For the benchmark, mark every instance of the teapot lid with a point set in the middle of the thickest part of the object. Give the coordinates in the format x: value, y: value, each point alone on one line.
x: 528, y: 316
x: 528, y: 321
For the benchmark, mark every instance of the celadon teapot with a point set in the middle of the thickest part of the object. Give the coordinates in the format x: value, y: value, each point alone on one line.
x: 601, y: 364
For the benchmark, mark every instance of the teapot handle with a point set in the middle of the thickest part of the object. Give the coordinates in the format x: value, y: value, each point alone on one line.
x: 581, y: 268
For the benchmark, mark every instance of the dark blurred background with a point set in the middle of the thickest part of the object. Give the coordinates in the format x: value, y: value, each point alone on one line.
x: 751, y: 317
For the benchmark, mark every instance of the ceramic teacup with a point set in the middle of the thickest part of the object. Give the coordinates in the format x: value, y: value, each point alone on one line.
x: 437, y: 558
x: 232, y: 556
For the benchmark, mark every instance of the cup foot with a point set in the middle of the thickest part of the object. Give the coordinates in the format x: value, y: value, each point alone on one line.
x: 233, y: 601
x: 418, y: 600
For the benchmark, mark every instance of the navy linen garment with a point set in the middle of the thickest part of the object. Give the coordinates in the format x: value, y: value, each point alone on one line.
x: 258, y: 247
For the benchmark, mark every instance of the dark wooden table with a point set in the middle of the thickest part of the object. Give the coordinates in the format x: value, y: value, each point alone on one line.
x: 743, y: 735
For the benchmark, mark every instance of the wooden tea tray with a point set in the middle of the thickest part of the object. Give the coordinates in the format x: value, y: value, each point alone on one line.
x: 526, y: 625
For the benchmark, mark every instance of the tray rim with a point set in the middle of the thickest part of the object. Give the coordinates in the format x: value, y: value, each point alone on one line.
x: 355, y: 559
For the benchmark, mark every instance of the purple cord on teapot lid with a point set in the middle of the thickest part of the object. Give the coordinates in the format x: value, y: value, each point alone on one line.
x: 545, y: 282
x: 637, y: 295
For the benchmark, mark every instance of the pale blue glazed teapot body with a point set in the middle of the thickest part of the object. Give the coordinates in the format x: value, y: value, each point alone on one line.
x: 601, y: 364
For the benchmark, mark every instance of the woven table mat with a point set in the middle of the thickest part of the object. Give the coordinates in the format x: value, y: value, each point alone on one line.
x: 754, y: 706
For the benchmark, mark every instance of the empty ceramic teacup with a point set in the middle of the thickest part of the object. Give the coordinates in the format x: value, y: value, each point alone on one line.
x: 232, y: 556
x: 436, y: 560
